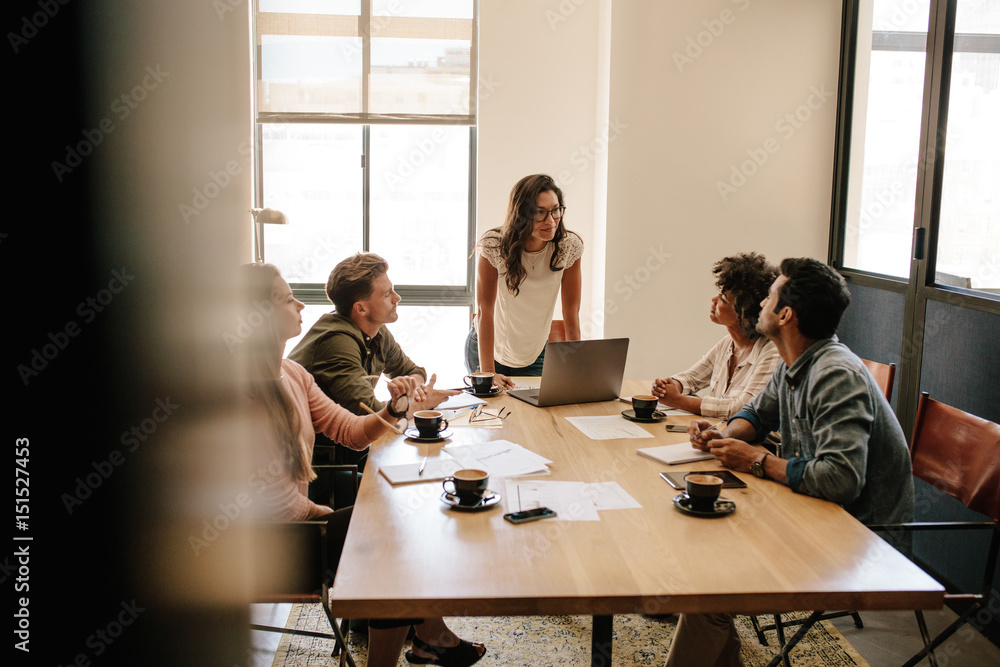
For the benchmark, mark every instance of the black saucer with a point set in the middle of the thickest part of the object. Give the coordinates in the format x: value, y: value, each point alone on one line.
x: 723, y: 506
x: 657, y: 417
x: 492, y: 392
x: 413, y: 434
x: 490, y: 499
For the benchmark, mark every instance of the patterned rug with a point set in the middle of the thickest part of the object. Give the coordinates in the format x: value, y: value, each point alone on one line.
x: 550, y: 641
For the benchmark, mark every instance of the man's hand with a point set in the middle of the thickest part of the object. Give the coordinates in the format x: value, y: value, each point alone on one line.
x: 432, y: 397
x: 407, y: 385
x: 502, y: 381
x: 702, y: 433
x: 734, y: 454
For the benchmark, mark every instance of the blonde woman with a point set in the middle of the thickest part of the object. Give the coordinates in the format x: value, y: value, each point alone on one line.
x: 294, y: 409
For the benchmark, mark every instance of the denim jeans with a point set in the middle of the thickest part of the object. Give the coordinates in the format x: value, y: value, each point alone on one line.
x: 472, y: 360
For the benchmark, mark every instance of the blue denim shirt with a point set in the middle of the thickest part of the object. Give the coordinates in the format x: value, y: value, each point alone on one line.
x: 838, y: 433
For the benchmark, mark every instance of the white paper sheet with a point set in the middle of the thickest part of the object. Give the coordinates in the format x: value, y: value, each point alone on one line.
x: 500, y: 458
x: 610, y: 496
x: 608, y: 427
x: 462, y: 400
x: 566, y: 499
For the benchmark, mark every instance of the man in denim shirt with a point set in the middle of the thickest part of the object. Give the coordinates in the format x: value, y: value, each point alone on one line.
x: 840, y: 438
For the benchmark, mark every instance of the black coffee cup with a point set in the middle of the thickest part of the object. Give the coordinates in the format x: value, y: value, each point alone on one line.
x: 429, y: 423
x: 481, y: 382
x: 644, y: 406
x: 467, y: 485
x: 703, y: 491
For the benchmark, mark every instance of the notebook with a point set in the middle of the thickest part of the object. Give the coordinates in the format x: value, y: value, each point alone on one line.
x: 579, y: 371
x: 682, y: 452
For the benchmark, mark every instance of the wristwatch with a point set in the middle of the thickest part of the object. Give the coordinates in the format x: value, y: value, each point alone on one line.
x: 757, y: 467
x: 392, y: 411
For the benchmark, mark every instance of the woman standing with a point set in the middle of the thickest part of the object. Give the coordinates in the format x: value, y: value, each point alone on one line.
x: 522, y: 266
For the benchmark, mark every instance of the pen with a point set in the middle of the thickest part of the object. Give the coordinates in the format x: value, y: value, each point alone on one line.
x: 423, y: 464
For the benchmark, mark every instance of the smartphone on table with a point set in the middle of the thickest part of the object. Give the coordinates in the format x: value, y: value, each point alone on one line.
x: 529, y: 515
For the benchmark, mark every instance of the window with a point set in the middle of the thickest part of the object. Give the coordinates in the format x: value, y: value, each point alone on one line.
x: 890, y: 100
x: 365, y: 127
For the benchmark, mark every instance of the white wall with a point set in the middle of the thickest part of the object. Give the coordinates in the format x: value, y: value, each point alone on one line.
x: 678, y: 129
x: 543, y: 101
x: 690, y: 122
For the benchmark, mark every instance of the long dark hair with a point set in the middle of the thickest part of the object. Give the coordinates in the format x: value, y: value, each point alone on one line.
x: 261, y: 357
x: 520, y: 222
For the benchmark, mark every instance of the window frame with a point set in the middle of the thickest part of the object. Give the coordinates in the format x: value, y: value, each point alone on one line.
x: 412, y: 295
x: 921, y: 286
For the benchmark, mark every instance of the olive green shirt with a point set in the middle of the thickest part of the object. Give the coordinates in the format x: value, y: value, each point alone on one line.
x: 346, y: 363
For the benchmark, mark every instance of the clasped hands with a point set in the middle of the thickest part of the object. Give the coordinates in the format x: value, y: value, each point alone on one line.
x: 733, y: 453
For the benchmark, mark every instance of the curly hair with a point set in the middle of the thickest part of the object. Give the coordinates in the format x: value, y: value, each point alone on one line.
x: 520, y: 222
x: 747, y: 276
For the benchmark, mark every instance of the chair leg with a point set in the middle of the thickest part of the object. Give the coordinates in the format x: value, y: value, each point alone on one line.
x: 761, y: 637
x: 928, y: 649
x: 780, y: 629
x: 340, y: 630
x: 930, y: 645
x: 786, y: 648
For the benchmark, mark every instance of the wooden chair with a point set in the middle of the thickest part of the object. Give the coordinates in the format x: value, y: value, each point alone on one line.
x: 884, y: 375
x: 958, y: 453
x: 304, y: 577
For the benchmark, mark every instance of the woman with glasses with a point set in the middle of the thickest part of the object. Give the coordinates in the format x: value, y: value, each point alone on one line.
x: 521, y: 268
x: 738, y: 366
x: 292, y: 409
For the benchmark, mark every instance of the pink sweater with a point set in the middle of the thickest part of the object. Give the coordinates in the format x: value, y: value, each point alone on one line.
x: 287, y: 499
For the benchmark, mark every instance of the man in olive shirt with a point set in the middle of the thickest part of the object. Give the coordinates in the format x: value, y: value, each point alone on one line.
x: 348, y: 350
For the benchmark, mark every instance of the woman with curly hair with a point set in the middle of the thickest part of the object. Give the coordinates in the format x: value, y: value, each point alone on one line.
x: 738, y: 366
x: 521, y: 268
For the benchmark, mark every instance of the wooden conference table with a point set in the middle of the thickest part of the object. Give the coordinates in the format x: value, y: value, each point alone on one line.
x: 407, y: 554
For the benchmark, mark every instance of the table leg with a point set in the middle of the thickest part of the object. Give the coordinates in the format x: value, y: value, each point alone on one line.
x: 600, y: 641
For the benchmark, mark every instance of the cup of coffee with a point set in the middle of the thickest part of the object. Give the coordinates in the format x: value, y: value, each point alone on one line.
x: 429, y: 423
x: 467, y: 485
x: 644, y: 406
x: 481, y: 382
x: 703, y: 491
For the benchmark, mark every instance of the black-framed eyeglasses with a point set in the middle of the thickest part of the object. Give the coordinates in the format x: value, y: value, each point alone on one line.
x: 556, y: 213
x: 480, y: 415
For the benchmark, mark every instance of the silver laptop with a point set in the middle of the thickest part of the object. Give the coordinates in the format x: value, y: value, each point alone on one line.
x: 579, y: 371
